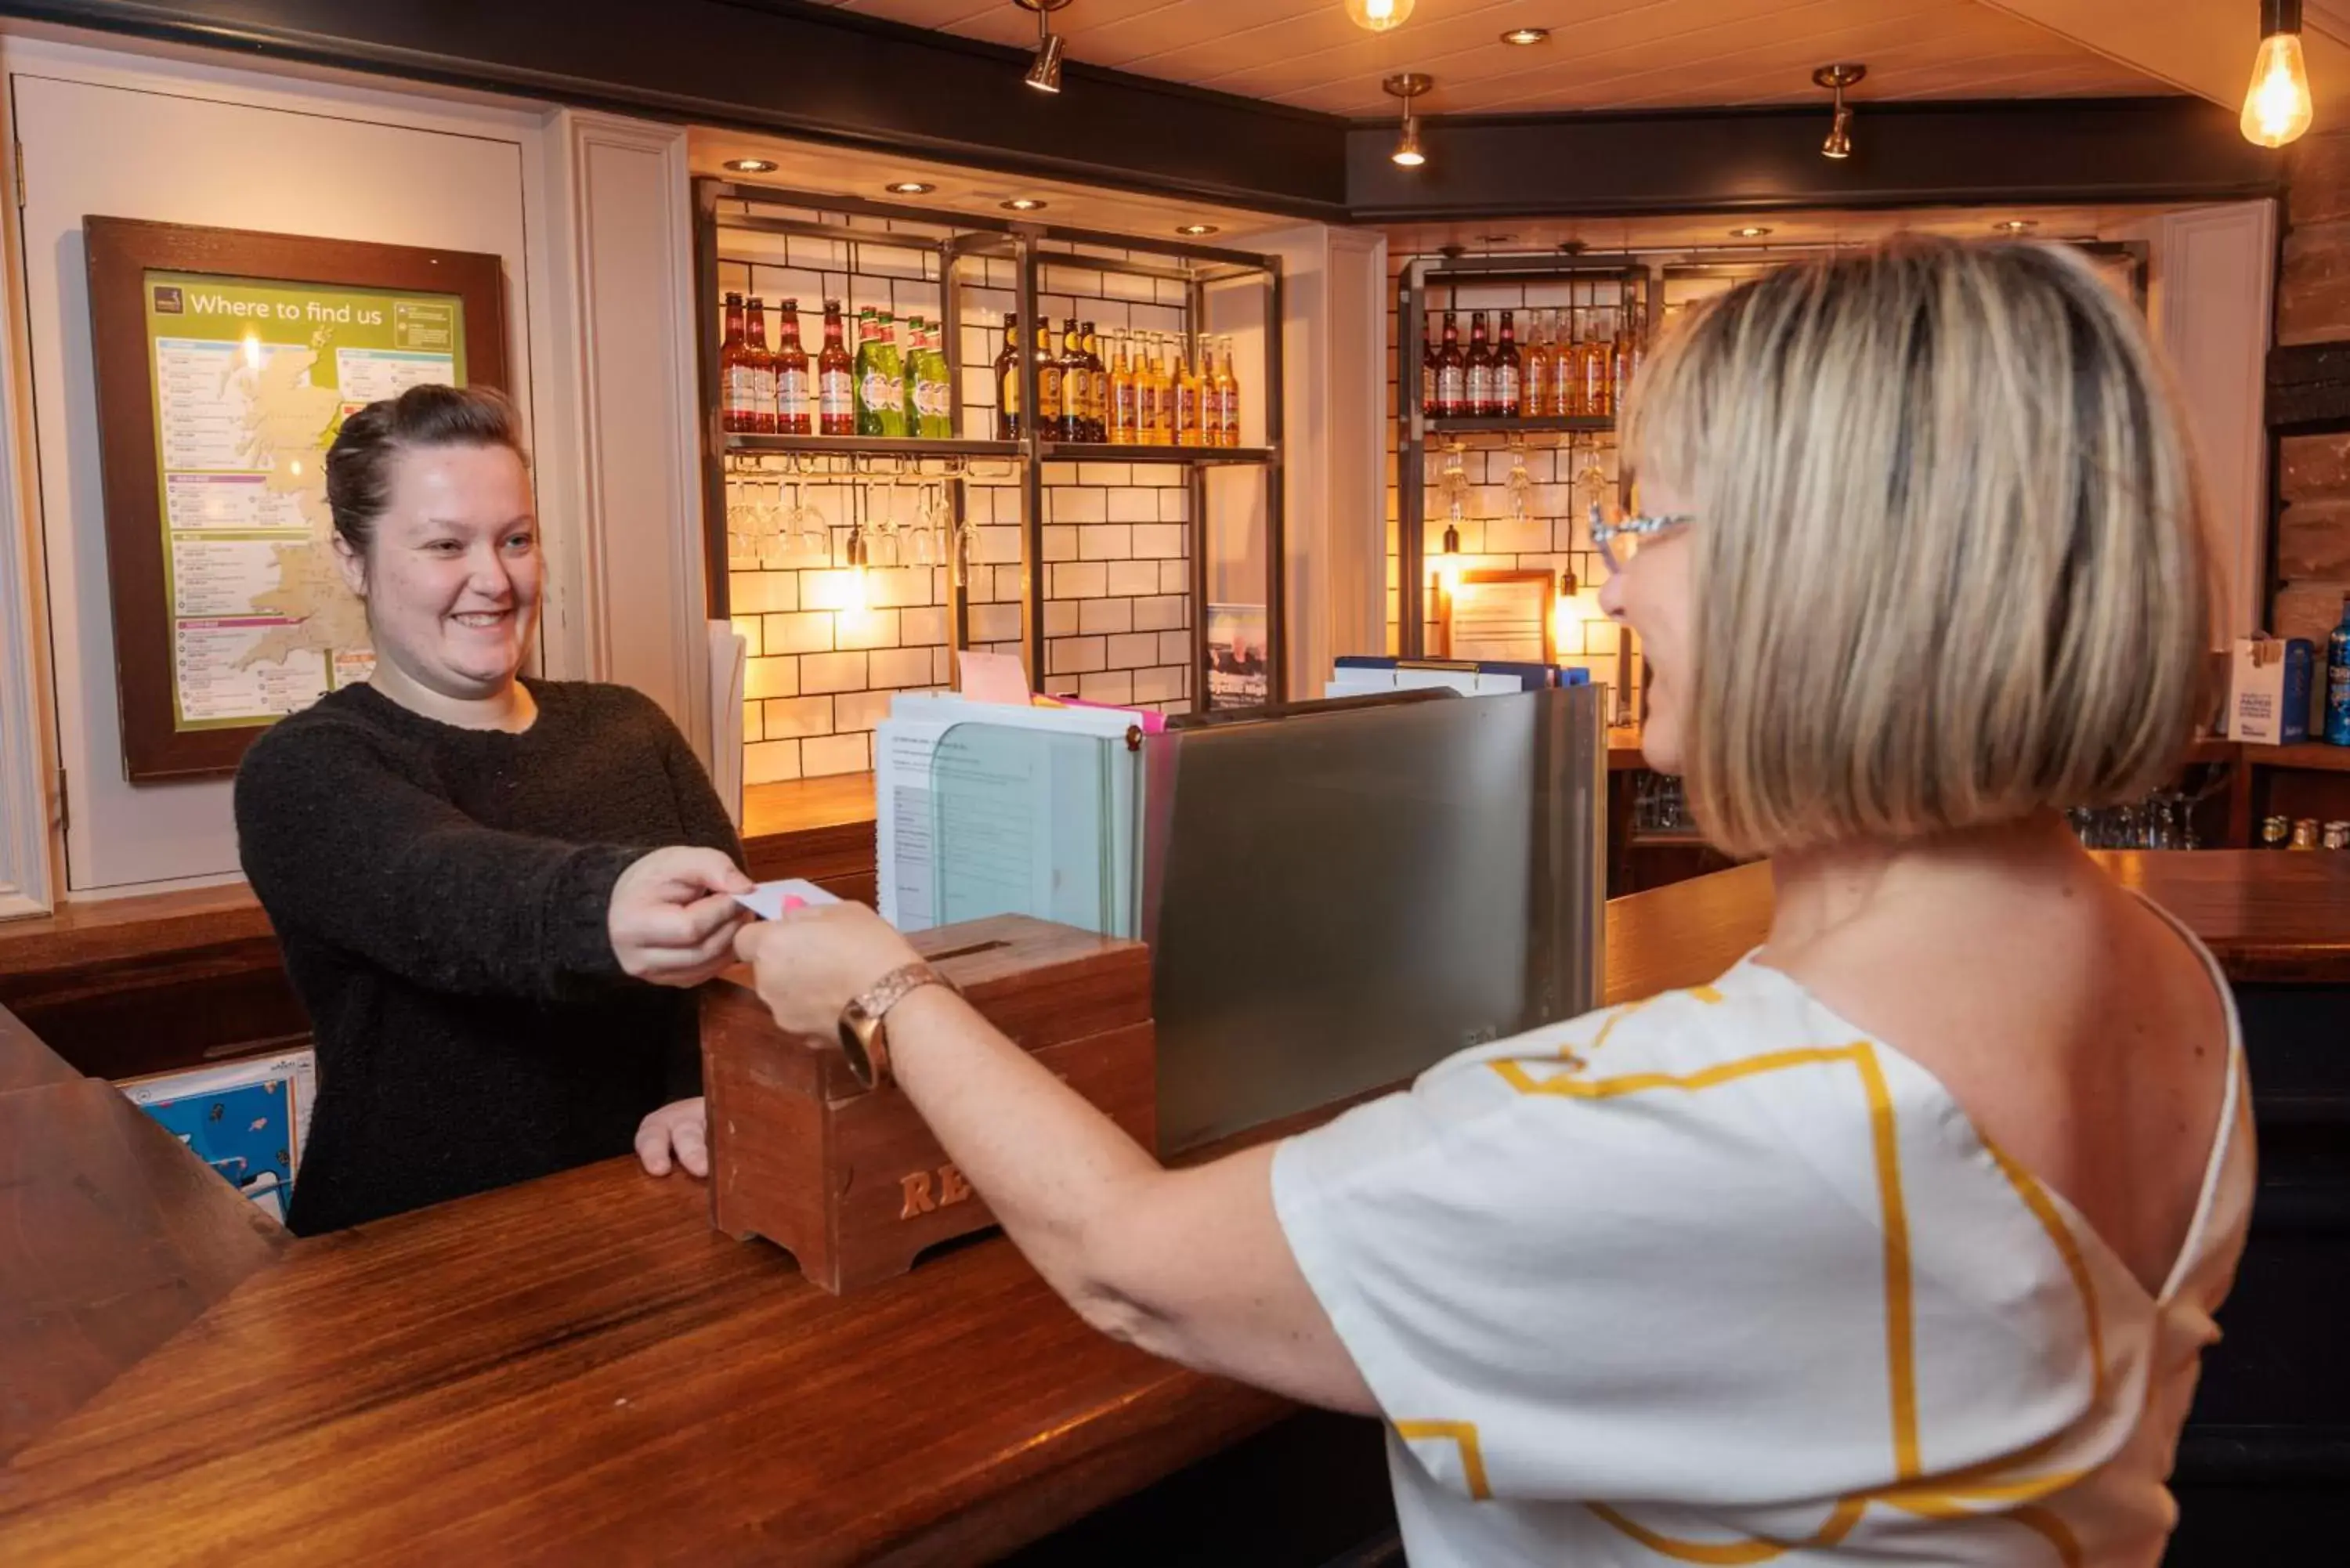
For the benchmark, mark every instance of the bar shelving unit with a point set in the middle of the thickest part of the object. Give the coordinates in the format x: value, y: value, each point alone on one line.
x: 1041, y: 254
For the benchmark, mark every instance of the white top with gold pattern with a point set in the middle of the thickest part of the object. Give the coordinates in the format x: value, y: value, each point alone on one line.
x: 1717, y: 1278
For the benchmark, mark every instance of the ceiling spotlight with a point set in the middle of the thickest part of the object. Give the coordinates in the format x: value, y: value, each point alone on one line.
x: 2276, y: 106
x: 1377, y: 15
x: 2016, y: 226
x: 1838, y: 77
x: 749, y: 165
x: 1749, y: 232
x: 1044, y: 71
x: 1022, y: 205
x: 1195, y: 229
x: 1408, y: 86
x: 1524, y: 36
x: 910, y: 188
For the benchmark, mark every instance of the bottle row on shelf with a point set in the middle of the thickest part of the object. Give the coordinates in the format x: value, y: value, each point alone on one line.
x: 885, y: 390
x: 1582, y: 374
x: 1153, y: 389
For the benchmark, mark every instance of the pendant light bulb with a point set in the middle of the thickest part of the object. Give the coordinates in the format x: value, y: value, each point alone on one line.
x: 1407, y: 86
x: 1448, y: 561
x: 1408, y: 152
x: 1839, y: 142
x: 2277, y: 106
x: 1378, y: 15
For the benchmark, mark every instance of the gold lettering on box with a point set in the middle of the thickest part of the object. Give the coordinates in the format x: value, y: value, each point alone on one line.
x: 916, y: 1189
x: 925, y: 1193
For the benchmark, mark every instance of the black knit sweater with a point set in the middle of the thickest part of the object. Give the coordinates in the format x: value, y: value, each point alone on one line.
x: 441, y: 895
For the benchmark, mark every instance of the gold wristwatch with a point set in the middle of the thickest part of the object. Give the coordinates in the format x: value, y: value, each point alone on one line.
x: 864, y: 1036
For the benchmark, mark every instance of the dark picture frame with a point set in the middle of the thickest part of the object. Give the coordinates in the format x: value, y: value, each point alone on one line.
x: 120, y: 253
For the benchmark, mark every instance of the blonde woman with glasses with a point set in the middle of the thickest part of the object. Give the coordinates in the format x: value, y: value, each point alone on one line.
x: 1900, y: 1240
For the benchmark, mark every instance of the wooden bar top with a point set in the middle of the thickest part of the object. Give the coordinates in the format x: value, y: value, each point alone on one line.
x: 581, y: 1369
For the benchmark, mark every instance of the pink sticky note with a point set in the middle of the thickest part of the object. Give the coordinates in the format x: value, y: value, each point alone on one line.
x: 995, y: 678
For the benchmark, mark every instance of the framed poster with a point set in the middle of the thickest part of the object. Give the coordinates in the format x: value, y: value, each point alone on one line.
x: 1237, y: 676
x: 225, y: 361
x: 1504, y: 616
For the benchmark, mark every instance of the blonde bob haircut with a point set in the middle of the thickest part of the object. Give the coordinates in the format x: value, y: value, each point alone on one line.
x: 1948, y: 562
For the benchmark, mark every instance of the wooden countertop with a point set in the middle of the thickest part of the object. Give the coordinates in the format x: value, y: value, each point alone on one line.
x: 579, y: 1368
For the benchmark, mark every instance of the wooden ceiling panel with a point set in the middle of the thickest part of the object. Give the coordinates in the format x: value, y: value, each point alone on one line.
x: 1603, y: 54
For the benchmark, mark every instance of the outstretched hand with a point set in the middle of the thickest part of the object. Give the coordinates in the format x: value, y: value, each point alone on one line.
x: 674, y: 917
x: 812, y: 962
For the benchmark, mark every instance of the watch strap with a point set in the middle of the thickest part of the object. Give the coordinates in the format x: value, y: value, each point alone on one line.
x: 863, y: 1022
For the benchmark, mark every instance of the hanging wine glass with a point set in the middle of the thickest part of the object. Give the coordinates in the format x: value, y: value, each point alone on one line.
x: 1522, y: 485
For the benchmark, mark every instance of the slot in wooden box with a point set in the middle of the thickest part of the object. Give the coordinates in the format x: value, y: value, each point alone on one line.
x: 851, y: 1180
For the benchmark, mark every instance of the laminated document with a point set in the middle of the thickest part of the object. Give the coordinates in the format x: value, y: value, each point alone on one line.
x: 247, y: 1119
x: 1022, y: 820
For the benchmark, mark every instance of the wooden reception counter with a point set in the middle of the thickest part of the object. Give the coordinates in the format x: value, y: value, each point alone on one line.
x: 580, y: 1369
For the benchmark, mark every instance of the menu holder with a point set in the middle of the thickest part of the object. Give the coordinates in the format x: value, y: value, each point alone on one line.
x: 851, y: 1180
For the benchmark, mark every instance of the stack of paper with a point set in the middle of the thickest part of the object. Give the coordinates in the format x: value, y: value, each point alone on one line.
x: 990, y: 808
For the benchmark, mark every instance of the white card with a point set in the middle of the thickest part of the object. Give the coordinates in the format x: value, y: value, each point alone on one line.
x: 769, y: 899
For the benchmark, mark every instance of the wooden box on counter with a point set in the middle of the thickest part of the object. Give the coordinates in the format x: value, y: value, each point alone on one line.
x: 851, y: 1180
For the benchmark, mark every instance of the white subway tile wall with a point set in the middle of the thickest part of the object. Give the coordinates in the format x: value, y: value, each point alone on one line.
x: 823, y: 664
x: 1550, y: 529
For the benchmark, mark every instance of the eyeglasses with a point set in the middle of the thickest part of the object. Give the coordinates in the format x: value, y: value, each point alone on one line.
x: 1618, y: 542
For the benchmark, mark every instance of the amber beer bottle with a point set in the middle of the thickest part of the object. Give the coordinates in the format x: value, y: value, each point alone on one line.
x: 1508, y: 371
x: 1097, y: 384
x: 1479, y: 368
x: 1125, y: 398
x: 792, y: 389
x: 1534, y: 390
x: 1007, y: 381
x: 1158, y: 427
x: 1077, y: 385
x: 836, y: 384
x: 1051, y: 417
x: 1226, y: 399
x: 1188, y: 396
x: 738, y: 376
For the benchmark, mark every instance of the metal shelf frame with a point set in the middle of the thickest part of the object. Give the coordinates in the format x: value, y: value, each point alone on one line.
x: 722, y: 205
x: 1420, y: 277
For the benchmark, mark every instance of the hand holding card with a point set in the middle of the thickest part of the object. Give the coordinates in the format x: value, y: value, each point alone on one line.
x: 770, y: 899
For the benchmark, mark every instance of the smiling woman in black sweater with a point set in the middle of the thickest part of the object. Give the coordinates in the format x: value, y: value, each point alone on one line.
x: 493, y: 893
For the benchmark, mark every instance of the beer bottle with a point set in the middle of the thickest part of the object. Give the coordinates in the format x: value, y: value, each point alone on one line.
x: 1190, y: 415
x: 1432, y: 364
x: 836, y: 382
x: 763, y: 371
x: 1075, y: 384
x: 1508, y: 369
x: 1162, y: 386
x: 791, y: 375
x: 1478, y: 368
x: 910, y: 368
x: 1050, y: 423
x: 1452, y: 373
x: 1124, y: 401
x: 1007, y: 381
x: 1097, y: 386
x: 738, y: 376
x: 1228, y: 397
x: 937, y: 386
x: 1535, y: 384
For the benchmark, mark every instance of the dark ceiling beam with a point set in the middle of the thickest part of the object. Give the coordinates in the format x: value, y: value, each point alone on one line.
x: 2005, y: 154
x: 819, y: 73
x: 803, y: 70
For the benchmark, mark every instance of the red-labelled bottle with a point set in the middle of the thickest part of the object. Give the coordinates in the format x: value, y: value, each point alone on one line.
x: 1479, y: 368
x: 738, y: 376
x: 836, y: 382
x: 795, y: 394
